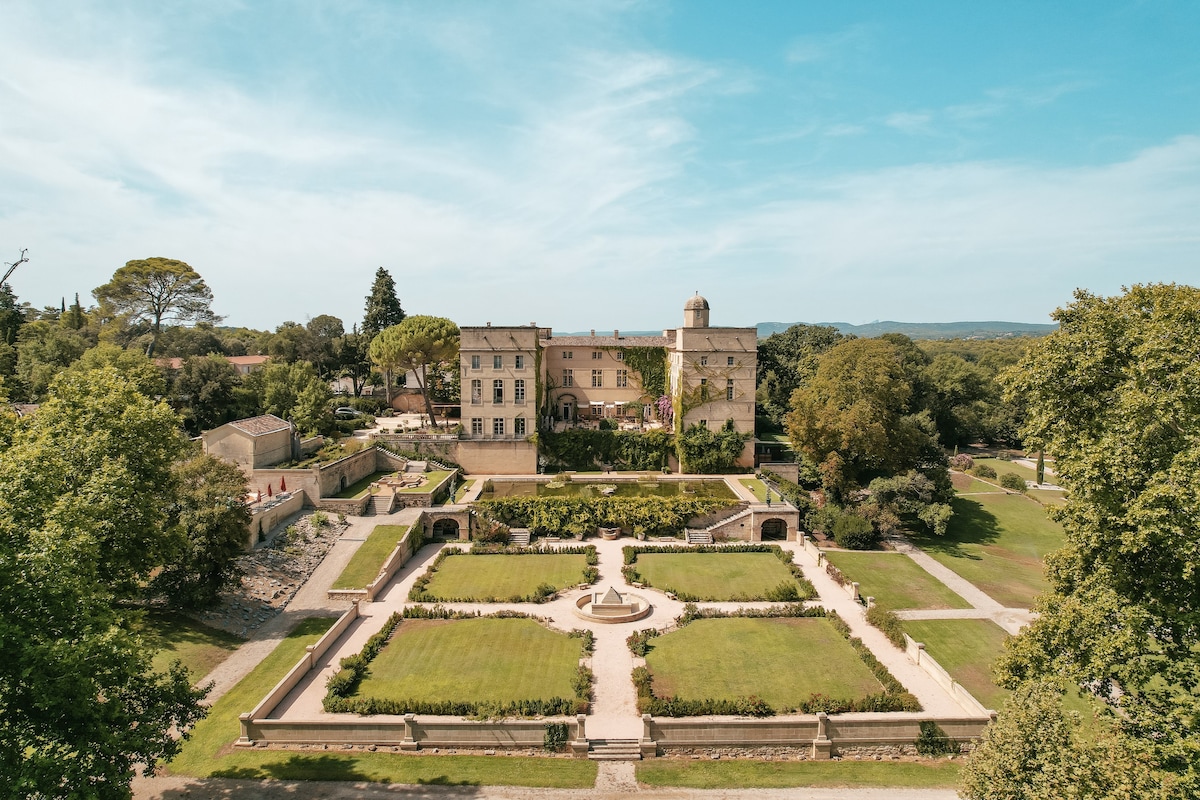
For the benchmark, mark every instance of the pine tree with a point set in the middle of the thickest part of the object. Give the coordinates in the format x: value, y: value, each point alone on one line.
x: 383, y: 307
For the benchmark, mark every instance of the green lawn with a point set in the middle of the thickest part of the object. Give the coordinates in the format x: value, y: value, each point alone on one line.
x: 747, y: 774
x: 966, y: 648
x: 895, y: 580
x: 997, y: 542
x: 970, y: 484
x: 433, y: 478
x: 198, y: 647
x: 366, y: 562
x: 757, y: 487
x: 207, y: 752
x: 714, y: 577
x: 781, y: 660
x: 1047, y: 497
x: 1001, y: 467
x: 361, y: 487
x: 479, y: 660
x: 485, y: 578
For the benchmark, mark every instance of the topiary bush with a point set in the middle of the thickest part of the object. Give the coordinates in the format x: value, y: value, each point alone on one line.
x: 1012, y: 482
x: 962, y: 462
x: 855, y: 533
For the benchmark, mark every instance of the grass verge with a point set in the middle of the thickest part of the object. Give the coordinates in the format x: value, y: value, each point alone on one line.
x: 366, y: 562
x: 744, y: 774
x: 894, y: 580
x: 756, y: 486
x: 175, y: 636
x: 208, y: 753
x: 966, y: 648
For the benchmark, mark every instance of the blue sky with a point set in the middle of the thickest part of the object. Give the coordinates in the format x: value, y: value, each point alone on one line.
x: 590, y: 165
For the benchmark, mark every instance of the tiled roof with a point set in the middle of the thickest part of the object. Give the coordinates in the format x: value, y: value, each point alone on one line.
x: 606, y: 341
x: 246, y: 360
x: 260, y: 426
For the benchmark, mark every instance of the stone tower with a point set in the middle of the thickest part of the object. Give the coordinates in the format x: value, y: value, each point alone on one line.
x: 695, y: 312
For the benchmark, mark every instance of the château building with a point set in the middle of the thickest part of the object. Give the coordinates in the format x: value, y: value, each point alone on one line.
x: 517, y: 380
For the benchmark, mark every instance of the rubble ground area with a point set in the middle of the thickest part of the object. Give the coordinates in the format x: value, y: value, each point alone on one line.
x: 272, y: 573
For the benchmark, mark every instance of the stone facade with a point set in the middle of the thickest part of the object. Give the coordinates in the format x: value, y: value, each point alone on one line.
x: 252, y: 443
x: 519, y: 379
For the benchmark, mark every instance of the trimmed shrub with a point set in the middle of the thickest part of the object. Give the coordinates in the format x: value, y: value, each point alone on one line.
x: 556, y: 737
x: 962, y: 462
x: 1012, y: 481
x: 855, y: 533
x: 984, y: 471
x: 887, y: 621
x: 933, y: 741
x: 639, y: 641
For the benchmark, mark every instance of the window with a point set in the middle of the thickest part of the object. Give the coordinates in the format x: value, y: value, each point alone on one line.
x: 568, y: 378
x: 497, y: 391
x: 622, y: 378
x: 729, y: 389
x: 729, y: 361
x: 498, y: 426
x: 704, y: 389
x: 703, y: 423
x: 474, y: 362
x: 476, y: 392
x: 519, y: 426
x: 620, y: 355
x: 497, y: 362
x: 519, y: 361
x: 597, y: 378
x: 477, y: 426
x: 704, y: 361
x: 519, y: 390
x: 597, y: 355
x: 568, y: 353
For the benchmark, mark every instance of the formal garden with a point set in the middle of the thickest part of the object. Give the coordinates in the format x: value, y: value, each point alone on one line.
x: 368, y: 559
x: 894, y: 580
x: 514, y: 575
x: 739, y: 572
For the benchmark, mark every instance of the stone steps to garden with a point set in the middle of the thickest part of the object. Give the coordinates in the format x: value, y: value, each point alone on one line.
x: 381, y: 504
x: 519, y: 538
x: 699, y: 537
x: 416, y: 466
x: 614, y: 750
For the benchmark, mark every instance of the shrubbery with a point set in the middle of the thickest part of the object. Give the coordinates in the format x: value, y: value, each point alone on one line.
x: 962, y: 462
x: 580, y: 516
x: 1012, y: 482
x: 854, y: 532
x: 984, y: 471
x: 887, y: 621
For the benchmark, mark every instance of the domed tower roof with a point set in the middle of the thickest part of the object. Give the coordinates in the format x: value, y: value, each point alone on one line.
x: 695, y: 312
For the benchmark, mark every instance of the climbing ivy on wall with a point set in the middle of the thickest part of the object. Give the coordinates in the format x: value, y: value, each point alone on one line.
x: 585, y: 449
x: 650, y: 363
x: 703, y: 452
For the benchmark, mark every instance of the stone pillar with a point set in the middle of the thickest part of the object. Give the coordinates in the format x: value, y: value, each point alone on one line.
x: 822, y: 747
x: 579, y: 745
x: 649, y: 747
x: 854, y: 590
x: 410, y: 738
x: 244, y: 740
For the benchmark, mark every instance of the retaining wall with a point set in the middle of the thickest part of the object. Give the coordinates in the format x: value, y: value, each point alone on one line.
x: 916, y: 651
x: 263, y: 518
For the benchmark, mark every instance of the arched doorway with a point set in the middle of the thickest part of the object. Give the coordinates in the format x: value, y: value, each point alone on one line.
x: 774, y: 530
x: 445, y: 529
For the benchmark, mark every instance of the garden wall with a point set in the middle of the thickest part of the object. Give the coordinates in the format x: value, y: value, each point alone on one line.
x: 299, y: 481
x: 916, y: 651
x: 407, y: 732
x: 816, y: 736
x: 353, y: 468
x: 264, y: 517
x: 497, y: 457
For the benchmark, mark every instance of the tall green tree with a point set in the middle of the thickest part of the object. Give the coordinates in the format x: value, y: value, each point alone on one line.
x: 212, y: 520
x: 422, y: 344
x: 785, y: 361
x: 383, y: 307
x: 44, y: 349
x: 293, y: 392
x: 853, y: 417
x: 205, y: 389
x: 156, y: 290
x: 326, y: 331
x: 85, y: 489
x: 1114, y: 394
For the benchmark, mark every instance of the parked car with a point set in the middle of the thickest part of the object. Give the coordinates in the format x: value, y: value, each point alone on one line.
x: 345, y: 412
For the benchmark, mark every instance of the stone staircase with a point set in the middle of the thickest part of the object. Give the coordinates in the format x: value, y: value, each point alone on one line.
x: 416, y: 466
x: 380, y: 504
x: 519, y: 537
x: 614, y: 750
x: 698, y: 536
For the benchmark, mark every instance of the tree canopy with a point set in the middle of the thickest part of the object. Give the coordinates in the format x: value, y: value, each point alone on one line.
x: 1114, y: 394
x: 85, y: 491
x: 156, y: 290
x: 420, y: 343
x: 383, y: 307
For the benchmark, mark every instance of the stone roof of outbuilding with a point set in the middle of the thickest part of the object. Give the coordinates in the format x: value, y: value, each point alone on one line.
x: 606, y: 341
x: 261, y: 426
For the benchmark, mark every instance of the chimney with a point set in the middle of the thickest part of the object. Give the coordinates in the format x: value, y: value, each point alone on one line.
x: 593, y: 331
x: 616, y: 334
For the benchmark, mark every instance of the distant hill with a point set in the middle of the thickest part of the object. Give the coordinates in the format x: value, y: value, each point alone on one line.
x: 926, y: 330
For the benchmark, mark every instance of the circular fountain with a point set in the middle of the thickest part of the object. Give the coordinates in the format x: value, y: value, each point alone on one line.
x: 612, y: 607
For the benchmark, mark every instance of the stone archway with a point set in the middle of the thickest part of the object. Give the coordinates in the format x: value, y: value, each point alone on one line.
x: 445, y: 528
x: 773, y: 530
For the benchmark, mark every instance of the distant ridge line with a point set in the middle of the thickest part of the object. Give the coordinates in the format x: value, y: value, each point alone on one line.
x: 925, y: 330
